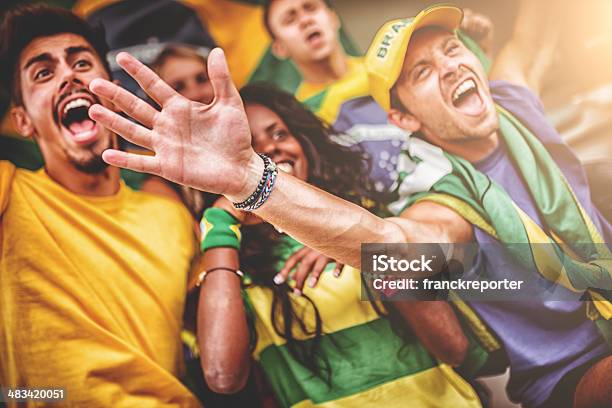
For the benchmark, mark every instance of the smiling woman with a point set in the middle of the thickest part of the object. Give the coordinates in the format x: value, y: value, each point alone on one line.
x: 325, y: 163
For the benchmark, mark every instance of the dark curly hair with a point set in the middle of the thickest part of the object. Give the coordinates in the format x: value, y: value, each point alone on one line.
x: 334, y: 168
x: 24, y: 24
x: 337, y: 169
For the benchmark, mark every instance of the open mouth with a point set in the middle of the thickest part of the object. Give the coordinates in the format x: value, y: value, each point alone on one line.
x: 75, y: 120
x: 314, y: 38
x: 466, y: 98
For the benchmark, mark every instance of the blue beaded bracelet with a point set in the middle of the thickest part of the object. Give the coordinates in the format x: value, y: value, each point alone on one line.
x: 264, y: 188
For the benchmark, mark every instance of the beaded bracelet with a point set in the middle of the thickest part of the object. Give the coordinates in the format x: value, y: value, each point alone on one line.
x: 264, y: 188
x: 265, y: 192
x: 250, y: 199
x: 203, y: 274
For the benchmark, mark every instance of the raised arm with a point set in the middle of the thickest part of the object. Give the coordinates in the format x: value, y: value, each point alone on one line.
x: 337, y: 228
x: 209, y: 147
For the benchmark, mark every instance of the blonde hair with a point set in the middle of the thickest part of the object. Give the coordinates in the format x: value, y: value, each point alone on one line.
x: 177, y: 51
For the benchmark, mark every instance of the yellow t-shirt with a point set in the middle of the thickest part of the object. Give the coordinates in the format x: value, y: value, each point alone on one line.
x: 92, y: 292
x: 354, y: 84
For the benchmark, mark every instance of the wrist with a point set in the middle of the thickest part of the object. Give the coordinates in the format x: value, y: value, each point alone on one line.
x: 254, y: 170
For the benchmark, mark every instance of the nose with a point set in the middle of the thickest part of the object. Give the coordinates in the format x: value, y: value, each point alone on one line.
x: 305, y: 20
x: 450, y: 67
x: 67, y: 77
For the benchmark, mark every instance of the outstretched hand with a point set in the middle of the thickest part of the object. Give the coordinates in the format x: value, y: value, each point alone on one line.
x: 203, y: 146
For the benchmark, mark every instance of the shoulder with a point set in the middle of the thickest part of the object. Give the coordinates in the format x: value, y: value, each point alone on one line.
x: 508, y: 94
x: 527, y: 108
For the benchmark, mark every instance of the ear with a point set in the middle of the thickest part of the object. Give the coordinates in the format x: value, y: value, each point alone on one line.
x: 279, y: 50
x: 404, y: 120
x: 22, y: 122
x: 335, y: 19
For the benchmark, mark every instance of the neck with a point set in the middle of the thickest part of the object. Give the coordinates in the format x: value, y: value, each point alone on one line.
x: 472, y: 150
x: 326, y: 70
x: 101, y: 184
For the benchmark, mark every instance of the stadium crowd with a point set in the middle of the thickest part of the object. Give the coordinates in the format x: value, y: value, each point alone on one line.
x: 170, y: 239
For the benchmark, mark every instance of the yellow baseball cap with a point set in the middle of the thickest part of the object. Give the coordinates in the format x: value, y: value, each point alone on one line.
x: 385, y: 57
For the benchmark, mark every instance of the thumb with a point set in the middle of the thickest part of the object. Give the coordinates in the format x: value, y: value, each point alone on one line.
x: 219, y: 75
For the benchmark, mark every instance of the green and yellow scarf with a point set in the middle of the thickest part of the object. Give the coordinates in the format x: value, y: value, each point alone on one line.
x: 575, y: 256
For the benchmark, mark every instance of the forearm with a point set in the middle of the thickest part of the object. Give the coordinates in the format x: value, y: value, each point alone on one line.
x: 223, y: 334
x: 337, y: 228
x: 325, y: 222
x: 437, y: 327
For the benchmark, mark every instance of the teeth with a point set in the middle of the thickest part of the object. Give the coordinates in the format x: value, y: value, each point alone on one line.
x: 285, y: 167
x: 76, y: 104
x: 466, y: 86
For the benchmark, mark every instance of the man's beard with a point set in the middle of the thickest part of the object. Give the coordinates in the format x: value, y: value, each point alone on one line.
x: 92, y: 164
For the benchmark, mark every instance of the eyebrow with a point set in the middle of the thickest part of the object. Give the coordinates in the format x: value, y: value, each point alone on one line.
x: 424, y: 60
x: 449, y: 39
x: 77, y: 49
x: 288, y: 13
x: 271, y: 127
x: 39, y: 58
x: 419, y: 62
x: 47, y: 57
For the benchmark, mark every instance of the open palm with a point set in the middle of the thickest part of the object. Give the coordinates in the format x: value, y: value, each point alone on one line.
x: 203, y: 146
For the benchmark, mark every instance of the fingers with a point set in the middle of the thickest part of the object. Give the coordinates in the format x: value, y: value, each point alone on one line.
x: 148, y: 80
x: 124, y: 100
x: 318, y: 267
x: 304, y: 269
x: 338, y: 269
x: 220, y: 78
x: 290, y: 264
x: 131, y: 161
x: 129, y: 130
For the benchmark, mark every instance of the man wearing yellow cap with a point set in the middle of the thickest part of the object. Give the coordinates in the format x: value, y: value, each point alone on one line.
x: 495, y: 182
x: 499, y: 175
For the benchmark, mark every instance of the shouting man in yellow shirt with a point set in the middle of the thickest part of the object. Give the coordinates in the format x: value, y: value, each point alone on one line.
x: 93, y: 275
